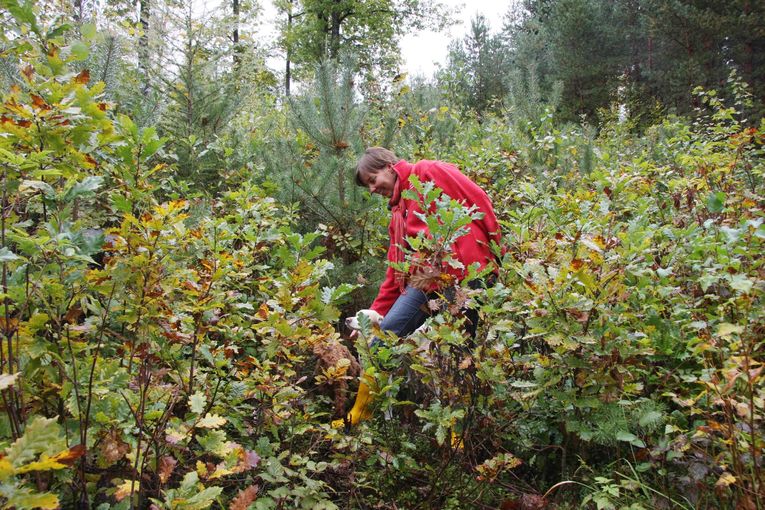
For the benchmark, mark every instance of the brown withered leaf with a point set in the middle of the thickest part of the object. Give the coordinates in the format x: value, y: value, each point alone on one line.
x: 28, y: 71
x: 166, y: 466
x: 74, y: 314
x: 466, y: 363
x: 578, y: 315
x: 113, y: 448
x: 83, y: 78
x: 425, y: 278
x: 245, y: 498
x: 577, y: 264
x: 533, y: 502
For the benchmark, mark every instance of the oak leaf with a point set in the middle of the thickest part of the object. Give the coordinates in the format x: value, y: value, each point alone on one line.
x: 245, y: 498
x: 166, y: 466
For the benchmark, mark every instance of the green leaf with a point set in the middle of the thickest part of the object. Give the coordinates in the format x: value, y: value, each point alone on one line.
x: 79, y: 50
x: 42, y: 435
x: 122, y: 203
x: 86, y: 186
x: 43, y: 187
x: 23, y: 13
x: 630, y: 438
x: 7, y: 255
x: 741, y: 283
x: 202, y: 499
x: 716, y: 202
x: 88, y: 30
x: 24, y: 498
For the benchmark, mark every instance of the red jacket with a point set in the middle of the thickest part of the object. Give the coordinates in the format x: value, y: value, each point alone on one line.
x: 473, y: 247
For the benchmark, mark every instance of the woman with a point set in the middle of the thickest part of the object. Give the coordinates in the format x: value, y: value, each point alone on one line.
x: 404, y: 306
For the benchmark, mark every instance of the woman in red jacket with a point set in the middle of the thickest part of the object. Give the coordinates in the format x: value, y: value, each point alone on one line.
x: 403, y: 306
x: 383, y: 173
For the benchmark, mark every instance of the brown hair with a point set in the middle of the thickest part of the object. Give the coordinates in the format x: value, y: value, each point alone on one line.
x: 374, y: 160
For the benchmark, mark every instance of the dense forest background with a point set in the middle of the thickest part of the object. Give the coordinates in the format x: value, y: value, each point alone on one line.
x: 181, y: 237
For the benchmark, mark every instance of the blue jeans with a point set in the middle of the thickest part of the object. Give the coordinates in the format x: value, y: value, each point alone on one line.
x: 410, y: 310
x: 406, y: 314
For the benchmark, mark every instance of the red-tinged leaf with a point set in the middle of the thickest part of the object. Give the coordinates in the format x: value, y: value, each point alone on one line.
x: 68, y: 457
x: 124, y: 489
x: 83, y: 78
x: 245, y: 498
x: 577, y: 264
x: 103, y: 106
x: 38, y: 102
x: 251, y: 459
x: 166, y: 467
x: 24, y: 123
x: 92, y: 163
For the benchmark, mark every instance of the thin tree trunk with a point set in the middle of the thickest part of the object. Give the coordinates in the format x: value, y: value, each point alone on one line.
x: 235, y: 35
x: 334, y: 35
x: 78, y: 13
x: 143, y: 51
x: 748, y: 47
x: 288, y: 69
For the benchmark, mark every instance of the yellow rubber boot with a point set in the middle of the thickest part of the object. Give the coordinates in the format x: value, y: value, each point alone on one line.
x: 361, y: 407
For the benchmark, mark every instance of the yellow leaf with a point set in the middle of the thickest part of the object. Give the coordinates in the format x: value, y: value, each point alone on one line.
x: 220, y: 471
x: 725, y: 480
x: 123, y: 490
x: 211, y: 421
x: 727, y: 329
x: 6, y: 468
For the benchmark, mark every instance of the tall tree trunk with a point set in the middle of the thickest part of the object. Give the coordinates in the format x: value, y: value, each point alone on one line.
x: 143, y: 51
x: 78, y: 13
x: 748, y: 63
x: 334, y: 34
x: 288, y: 69
x: 235, y: 35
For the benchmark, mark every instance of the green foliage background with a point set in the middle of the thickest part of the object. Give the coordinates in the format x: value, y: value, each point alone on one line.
x: 176, y: 262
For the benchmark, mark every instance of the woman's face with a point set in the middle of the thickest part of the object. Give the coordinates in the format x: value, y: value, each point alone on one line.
x: 381, y: 182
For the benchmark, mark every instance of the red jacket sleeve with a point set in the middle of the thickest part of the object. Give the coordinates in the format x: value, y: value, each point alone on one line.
x: 388, y: 293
